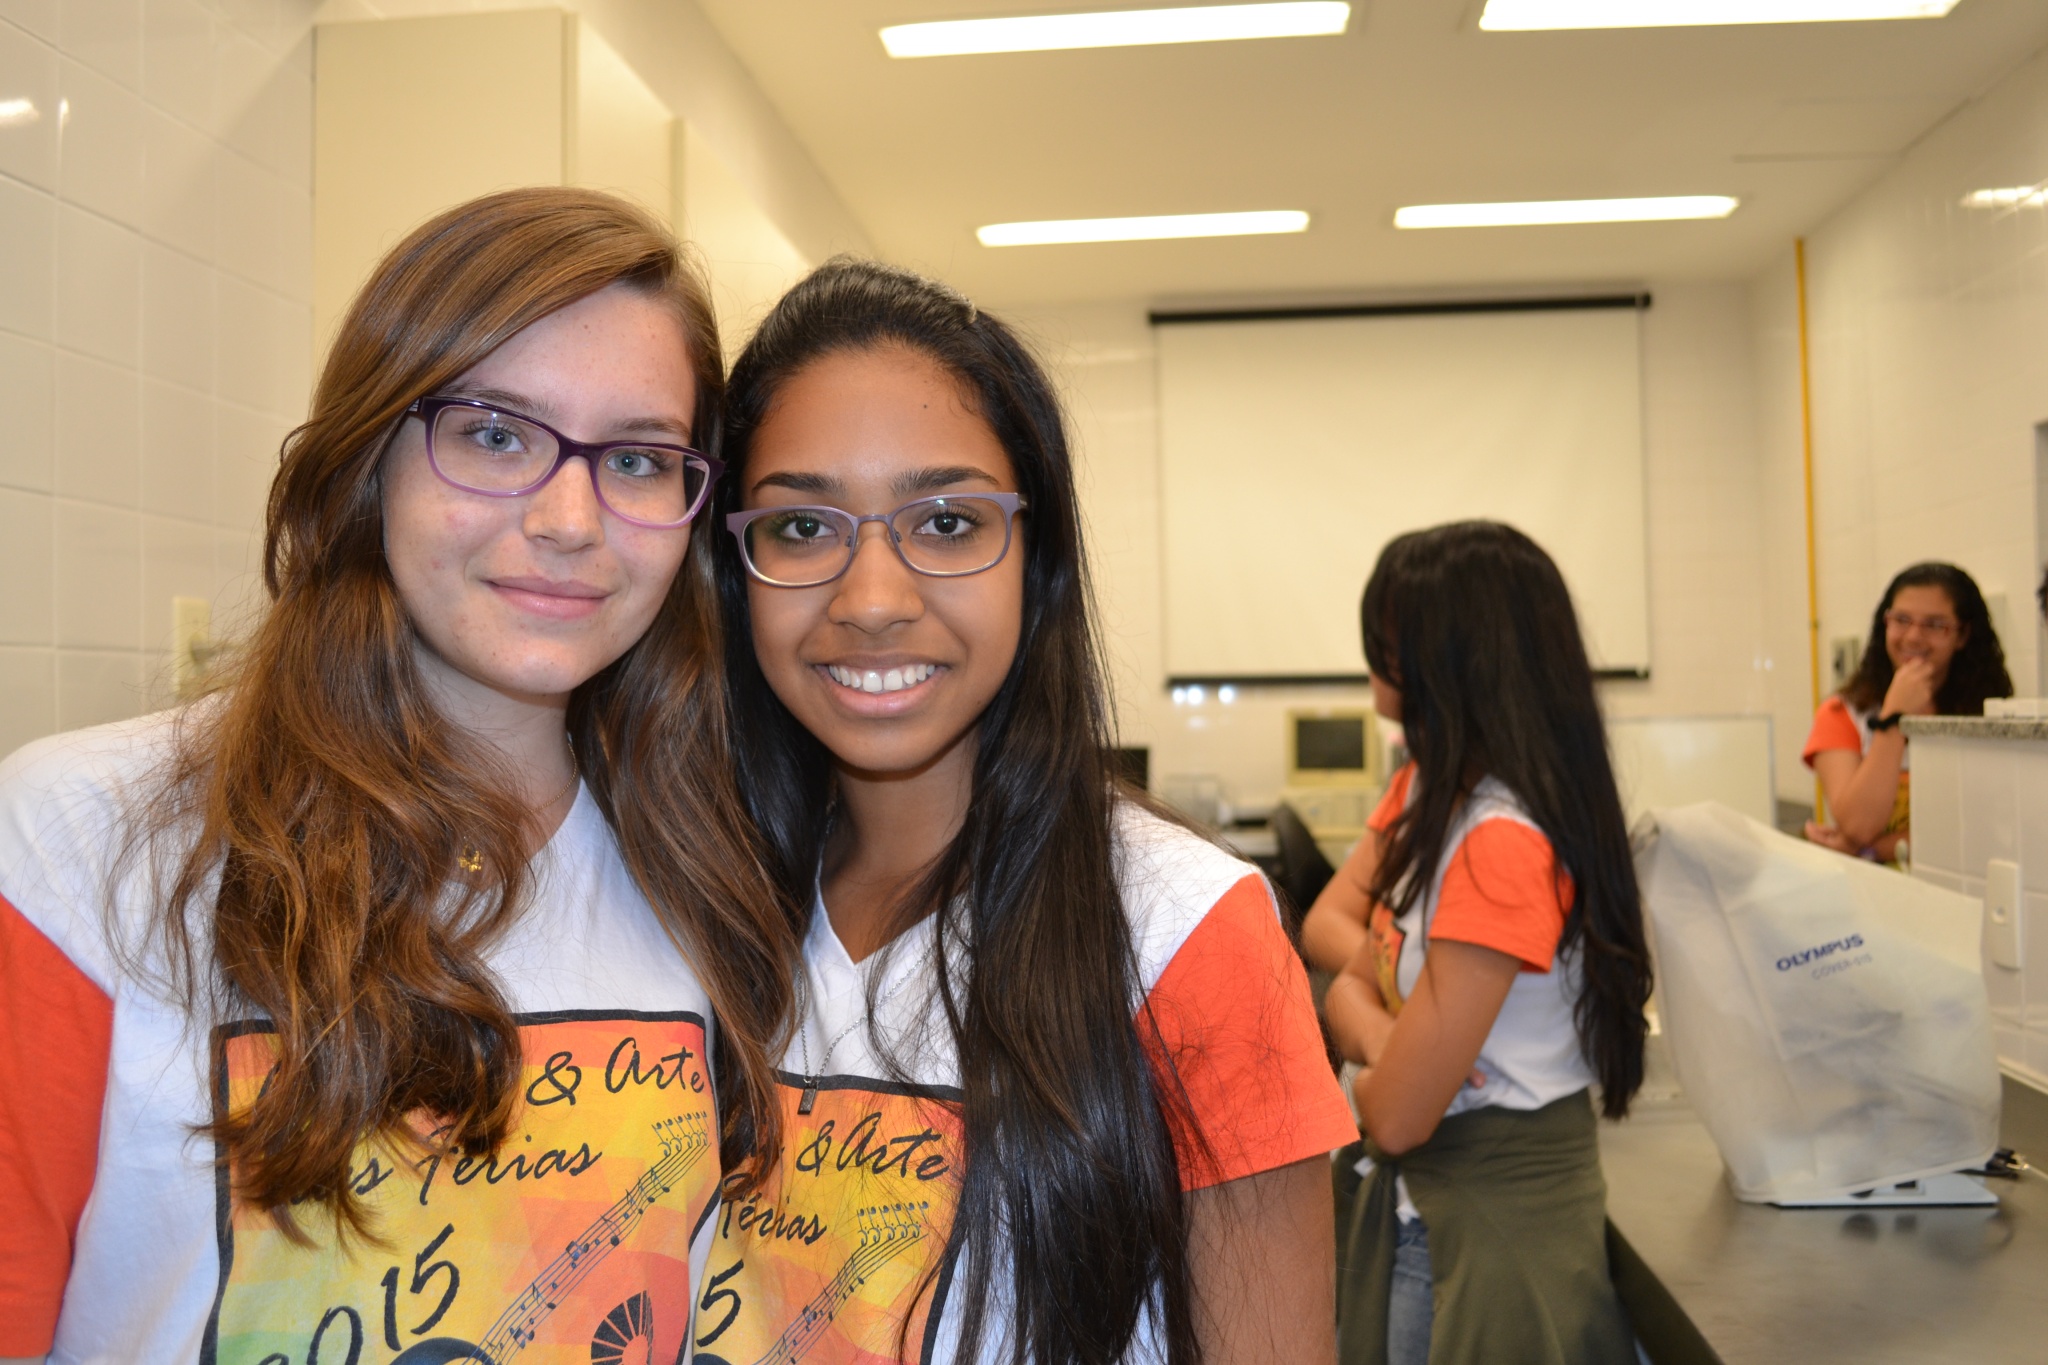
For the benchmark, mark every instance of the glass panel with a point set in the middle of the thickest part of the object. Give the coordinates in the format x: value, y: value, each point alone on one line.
x: 799, y: 544
x: 951, y: 535
x: 480, y: 448
x: 650, y: 483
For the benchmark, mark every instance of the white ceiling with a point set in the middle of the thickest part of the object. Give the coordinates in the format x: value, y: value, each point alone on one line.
x: 1413, y: 105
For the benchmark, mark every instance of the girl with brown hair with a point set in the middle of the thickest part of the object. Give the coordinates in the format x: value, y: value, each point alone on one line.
x: 363, y: 1010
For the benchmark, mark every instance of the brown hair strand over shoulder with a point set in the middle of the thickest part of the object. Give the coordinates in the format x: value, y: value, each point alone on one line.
x: 333, y: 802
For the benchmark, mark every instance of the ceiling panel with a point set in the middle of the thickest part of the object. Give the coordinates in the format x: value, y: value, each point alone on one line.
x: 1413, y: 105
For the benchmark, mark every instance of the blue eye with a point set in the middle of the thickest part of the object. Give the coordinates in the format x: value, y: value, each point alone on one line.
x: 493, y: 436
x: 640, y: 463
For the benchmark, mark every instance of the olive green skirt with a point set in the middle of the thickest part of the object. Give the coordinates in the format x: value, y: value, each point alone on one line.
x: 1517, y: 1214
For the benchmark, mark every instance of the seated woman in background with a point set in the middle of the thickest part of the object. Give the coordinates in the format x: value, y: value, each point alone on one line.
x: 1497, y: 971
x: 1932, y: 652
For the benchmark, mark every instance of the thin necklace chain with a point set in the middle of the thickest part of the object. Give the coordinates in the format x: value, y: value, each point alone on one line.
x: 804, y: 1029
x: 812, y: 1079
x: 575, y: 773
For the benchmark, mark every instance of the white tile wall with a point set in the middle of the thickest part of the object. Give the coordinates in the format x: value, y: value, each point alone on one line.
x: 1975, y: 800
x: 155, y: 332
x: 28, y: 384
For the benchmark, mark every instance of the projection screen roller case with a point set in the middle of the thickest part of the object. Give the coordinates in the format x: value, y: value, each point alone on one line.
x: 1294, y: 449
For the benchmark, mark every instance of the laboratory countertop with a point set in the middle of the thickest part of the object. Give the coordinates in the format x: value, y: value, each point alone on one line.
x: 1975, y: 727
x: 1746, y: 1284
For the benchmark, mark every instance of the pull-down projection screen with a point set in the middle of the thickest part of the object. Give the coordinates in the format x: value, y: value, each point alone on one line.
x: 1293, y: 449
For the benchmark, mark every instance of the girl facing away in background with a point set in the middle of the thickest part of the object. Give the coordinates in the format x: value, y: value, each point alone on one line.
x: 1056, y: 1092
x: 361, y: 1010
x: 1932, y: 652
x: 1492, y: 970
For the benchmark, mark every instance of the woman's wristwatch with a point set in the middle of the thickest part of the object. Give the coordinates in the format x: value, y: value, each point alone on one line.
x: 1889, y: 722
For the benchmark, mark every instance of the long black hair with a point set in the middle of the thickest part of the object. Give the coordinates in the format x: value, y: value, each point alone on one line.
x: 1978, y: 669
x: 1071, y: 1192
x: 1474, y: 625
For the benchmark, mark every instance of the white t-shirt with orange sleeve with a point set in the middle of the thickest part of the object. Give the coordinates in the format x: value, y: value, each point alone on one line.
x: 121, y: 1241
x: 848, y: 1251
x: 1498, y: 885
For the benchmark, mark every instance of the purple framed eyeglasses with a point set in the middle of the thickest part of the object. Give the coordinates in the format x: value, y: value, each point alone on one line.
x: 490, y: 451
x: 944, y: 537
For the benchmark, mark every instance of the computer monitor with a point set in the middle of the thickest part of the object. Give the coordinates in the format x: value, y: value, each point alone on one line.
x: 1334, y: 767
x: 1331, y: 747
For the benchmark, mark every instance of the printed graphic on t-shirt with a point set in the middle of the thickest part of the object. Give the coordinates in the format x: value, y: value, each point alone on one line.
x: 843, y: 1257
x: 1386, y: 938
x: 570, y: 1244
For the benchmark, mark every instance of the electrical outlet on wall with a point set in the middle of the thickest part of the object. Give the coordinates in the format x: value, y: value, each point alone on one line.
x: 2002, y: 913
x: 192, y: 646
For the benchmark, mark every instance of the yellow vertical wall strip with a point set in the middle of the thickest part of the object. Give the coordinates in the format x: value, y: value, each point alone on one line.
x: 1812, y: 561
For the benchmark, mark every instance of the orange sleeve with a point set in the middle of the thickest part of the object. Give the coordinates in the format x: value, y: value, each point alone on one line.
x: 56, y: 1027
x: 1833, y: 728
x: 1394, y: 801
x: 1233, y: 1029
x: 1504, y: 890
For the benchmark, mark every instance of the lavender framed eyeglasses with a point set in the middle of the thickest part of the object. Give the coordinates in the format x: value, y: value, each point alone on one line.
x: 490, y: 451
x: 944, y: 537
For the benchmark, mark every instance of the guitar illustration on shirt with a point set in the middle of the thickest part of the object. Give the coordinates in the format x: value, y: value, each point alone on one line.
x: 684, y: 1142
x: 886, y: 1232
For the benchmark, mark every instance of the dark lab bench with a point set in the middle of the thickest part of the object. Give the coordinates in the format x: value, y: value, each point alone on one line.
x: 1708, y: 1278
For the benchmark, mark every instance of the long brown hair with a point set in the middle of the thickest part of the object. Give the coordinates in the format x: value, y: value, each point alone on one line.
x: 332, y: 800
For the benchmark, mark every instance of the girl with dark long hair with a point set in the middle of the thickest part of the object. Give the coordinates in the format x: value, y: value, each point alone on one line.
x: 1491, y: 970
x: 1932, y: 652
x: 1056, y: 1092
x: 362, y: 1008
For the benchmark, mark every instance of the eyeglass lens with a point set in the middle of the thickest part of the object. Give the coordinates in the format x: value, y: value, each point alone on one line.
x: 939, y: 536
x: 495, y: 452
x: 1933, y: 625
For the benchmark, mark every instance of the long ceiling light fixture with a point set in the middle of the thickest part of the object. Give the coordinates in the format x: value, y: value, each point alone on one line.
x: 1545, y: 212
x: 1508, y: 15
x: 2012, y: 196
x: 1062, y: 230
x: 1117, y: 28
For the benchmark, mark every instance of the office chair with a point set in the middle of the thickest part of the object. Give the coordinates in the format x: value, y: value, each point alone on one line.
x: 1304, y: 871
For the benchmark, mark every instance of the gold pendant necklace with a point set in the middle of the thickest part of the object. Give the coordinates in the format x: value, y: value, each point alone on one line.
x: 471, y: 859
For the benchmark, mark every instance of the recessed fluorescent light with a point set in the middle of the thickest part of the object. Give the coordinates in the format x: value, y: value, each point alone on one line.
x: 2028, y: 196
x: 1541, y: 14
x: 1546, y: 211
x: 1117, y: 28
x: 1141, y: 229
x: 14, y: 113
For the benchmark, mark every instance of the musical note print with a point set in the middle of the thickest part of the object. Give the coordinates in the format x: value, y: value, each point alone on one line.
x: 843, y: 1254
x: 571, y: 1240
x: 885, y: 1233
x: 683, y: 1143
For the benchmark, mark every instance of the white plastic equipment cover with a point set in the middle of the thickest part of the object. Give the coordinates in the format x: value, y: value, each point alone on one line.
x: 1827, y: 1016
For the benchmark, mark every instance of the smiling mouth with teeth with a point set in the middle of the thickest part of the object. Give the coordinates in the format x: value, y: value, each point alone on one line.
x: 881, y: 680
